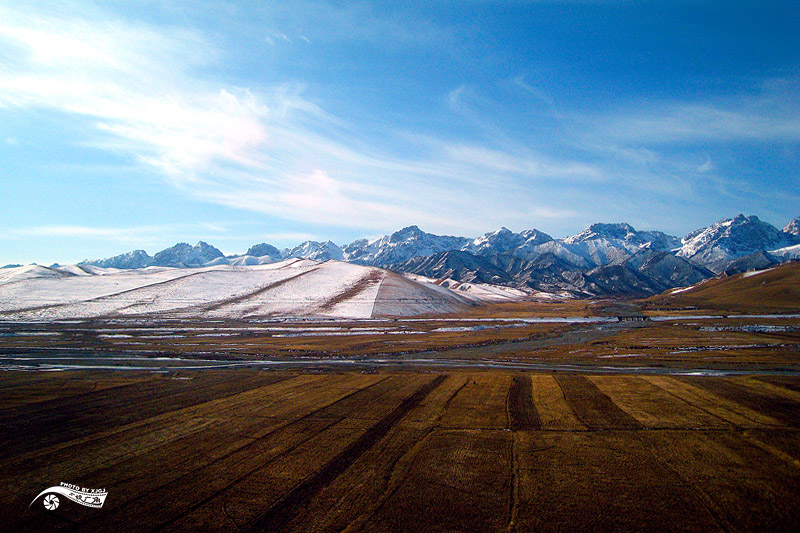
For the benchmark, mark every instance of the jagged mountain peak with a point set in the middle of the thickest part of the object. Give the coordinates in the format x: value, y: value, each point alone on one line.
x: 401, y: 246
x: 314, y: 250
x: 504, y: 240
x: 264, y: 249
x: 128, y: 260
x: 619, y: 230
x: 624, y: 232
x: 183, y: 254
x: 405, y: 234
x: 731, y: 238
x: 535, y: 236
x: 793, y: 227
x: 409, y: 230
x: 502, y: 230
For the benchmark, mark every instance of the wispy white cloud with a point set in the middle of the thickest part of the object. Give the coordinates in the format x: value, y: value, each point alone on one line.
x: 131, y: 234
x: 706, y: 166
x: 264, y: 149
x: 762, y: 117
x: 526, y: 164
x: 128, y: 235
x: 547, y: 212
x: 539, y: 94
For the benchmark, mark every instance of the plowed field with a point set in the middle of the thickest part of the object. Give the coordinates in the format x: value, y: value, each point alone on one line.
x: 254, y: 450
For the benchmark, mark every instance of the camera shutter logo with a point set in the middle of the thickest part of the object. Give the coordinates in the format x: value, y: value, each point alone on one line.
x: 87, y: 497
x: 51, y: 502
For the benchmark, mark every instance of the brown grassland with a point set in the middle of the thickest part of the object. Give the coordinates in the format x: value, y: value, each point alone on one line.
x: 687, y: 421
x: 253, y: 450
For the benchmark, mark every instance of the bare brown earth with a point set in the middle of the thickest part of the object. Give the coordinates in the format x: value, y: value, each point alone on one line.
x: 250, y: 450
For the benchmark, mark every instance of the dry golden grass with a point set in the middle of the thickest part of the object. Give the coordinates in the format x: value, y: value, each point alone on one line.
x: 410, y: 452
x: 773, y: 291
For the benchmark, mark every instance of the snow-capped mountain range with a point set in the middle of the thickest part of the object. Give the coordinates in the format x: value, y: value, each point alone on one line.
x: 604, y: 259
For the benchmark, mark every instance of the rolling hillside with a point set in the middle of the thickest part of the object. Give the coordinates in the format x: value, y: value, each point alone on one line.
x: 775, y: 290
x: 295, y: 287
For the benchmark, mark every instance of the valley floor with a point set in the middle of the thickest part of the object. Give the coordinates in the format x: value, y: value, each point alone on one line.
x: 581, y: 338
x: 242, y: 450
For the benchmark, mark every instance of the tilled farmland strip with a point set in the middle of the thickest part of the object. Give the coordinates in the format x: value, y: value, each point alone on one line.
x: 765, y: 387
x: 157, y: 501
x: 462, y: 476
x: 653, y: 407
x: 783, y: 444
x: 351, y: 501
x: 481, y: 404
x: 86, y: 397
x: 592, y: 407
x: 17, y: 394
x: 732, y: 412
x: 281, y: 513
x: 122, y: 461
x: 522, y: 412
x: 784, y: 409
x: 553, y: 409
x: 788, y: 382
x: 746, y: 487
x: 110, y: 408
x: 600, y: 481
x: 239, y: 424
x: 116, y: 442
x: 297, y: 451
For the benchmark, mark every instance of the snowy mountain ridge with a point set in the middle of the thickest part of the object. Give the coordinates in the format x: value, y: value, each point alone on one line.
x: 733, y: 238
x: 604, y: 258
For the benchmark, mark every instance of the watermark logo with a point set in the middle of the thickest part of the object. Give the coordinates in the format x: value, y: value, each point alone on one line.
x: 87, y: 497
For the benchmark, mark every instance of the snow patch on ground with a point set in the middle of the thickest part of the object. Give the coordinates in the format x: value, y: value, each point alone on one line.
x: 681, y: 289
x: 756, y: 272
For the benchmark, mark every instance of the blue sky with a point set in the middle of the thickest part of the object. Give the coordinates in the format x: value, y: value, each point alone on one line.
x: 140, y: 124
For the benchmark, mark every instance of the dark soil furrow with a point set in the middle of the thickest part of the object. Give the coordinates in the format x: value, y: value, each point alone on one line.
x: 522, y: 412
x: 352, y: 291
x: 592, y: 406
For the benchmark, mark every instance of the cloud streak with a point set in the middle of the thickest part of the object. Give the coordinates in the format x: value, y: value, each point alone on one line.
x: 264, y: 149
x: 147, y: 233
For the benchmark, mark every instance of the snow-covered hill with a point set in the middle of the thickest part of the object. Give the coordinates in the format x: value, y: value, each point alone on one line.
x: 294, y: 287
